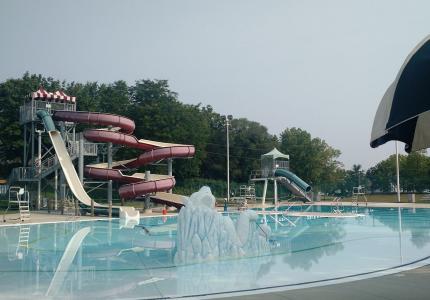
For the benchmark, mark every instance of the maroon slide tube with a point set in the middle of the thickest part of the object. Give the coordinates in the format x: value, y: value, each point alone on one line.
x: 135, y: 187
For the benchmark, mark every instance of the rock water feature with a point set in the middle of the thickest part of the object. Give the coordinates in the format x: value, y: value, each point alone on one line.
x: 203, y: 234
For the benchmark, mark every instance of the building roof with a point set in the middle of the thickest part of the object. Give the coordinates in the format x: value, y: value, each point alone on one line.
x: 275, y: 153
x: 58, y: 96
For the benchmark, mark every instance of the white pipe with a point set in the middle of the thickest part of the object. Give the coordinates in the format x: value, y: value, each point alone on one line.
x: 397, y: 173
x: 228, y: 160
x: 263, y: 201
x: 170, y: 170
x: 56, y: 190
x: 39, y: 158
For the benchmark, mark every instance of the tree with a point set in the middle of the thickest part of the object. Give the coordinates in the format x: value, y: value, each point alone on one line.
x: 358, y: 174
x: 160, y: 116
x: 13, y: 93
x: 312, y: 159
x: 248, y: 141
x: 414, y: 172
x: 382, y: 177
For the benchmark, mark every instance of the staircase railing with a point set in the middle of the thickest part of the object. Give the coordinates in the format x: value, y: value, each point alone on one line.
x: 49, y: 164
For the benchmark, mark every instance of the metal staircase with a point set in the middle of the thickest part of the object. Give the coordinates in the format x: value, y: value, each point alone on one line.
x: 49, y: 164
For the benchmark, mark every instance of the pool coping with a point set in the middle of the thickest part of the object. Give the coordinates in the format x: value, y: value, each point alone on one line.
x: 219, y: 209
x: 70, y: 218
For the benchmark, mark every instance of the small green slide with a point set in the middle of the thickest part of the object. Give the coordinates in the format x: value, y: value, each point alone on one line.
x: 295, y: 184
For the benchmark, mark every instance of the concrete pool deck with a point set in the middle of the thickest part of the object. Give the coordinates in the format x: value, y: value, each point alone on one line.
x: 38, y: 217
x: 41, y: 217
x: 411, y: 284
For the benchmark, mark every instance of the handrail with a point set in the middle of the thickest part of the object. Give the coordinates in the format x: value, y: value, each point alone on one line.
x: 336, y: 205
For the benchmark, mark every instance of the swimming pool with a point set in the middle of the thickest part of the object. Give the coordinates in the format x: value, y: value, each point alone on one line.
x: 100, y: 259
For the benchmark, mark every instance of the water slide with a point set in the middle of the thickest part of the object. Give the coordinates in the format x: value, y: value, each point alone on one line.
x: 119, y: 132
x: 72, y: 178
x: 295, y: 184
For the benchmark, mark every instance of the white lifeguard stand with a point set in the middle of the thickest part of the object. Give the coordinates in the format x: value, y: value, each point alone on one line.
x: 357, y: 193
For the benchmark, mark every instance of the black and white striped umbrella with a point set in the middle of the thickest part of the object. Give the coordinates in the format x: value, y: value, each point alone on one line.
x: 404, y: 111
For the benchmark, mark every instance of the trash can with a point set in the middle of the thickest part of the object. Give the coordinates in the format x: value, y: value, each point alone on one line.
x: 411, y: 198
x: 50, y: 205
x: 316, y: 196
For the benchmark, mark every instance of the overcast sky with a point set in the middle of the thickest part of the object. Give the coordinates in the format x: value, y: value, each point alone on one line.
x: 322, y: 66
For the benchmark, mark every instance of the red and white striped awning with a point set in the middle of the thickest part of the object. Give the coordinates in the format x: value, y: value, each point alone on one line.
x: 58, y: 96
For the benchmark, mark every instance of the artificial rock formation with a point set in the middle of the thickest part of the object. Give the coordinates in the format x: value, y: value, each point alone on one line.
x: 204, y: 234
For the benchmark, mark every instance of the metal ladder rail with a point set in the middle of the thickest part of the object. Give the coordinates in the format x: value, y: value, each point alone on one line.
x: 24, y: 237
x: 337, y: 208
x: 24, y: 206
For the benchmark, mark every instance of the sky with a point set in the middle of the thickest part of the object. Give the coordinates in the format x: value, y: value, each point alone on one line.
x: 322, y: 66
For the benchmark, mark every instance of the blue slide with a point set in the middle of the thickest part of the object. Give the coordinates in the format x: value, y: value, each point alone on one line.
x: 295, y: 184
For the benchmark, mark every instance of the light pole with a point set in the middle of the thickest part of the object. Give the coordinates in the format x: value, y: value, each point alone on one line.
x: 227, y: 124
x: 397, y: 173
x: 39, y: 167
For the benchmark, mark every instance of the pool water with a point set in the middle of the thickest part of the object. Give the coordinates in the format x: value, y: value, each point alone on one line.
x: 101, y: 259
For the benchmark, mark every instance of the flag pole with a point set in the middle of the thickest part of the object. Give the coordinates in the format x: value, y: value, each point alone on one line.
x: 397, y: 173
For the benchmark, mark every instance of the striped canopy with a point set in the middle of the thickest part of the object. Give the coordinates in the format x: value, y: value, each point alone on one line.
x: 404, y: 111
x: 58, y: 96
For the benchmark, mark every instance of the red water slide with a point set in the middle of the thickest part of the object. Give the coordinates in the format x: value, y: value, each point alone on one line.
x: 119, y: 132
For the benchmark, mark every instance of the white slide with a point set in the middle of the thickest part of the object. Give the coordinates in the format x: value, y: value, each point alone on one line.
x: 126, y: 212
x: 66, y: 260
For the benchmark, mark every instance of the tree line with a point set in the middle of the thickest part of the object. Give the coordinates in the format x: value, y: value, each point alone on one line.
x: 160, y: 115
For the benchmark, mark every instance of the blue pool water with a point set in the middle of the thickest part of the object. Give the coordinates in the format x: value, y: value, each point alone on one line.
x: 99, y: 259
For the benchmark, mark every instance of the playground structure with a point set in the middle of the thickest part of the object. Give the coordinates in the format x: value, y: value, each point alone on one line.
x: 275, y: 168
x: 38, y: 115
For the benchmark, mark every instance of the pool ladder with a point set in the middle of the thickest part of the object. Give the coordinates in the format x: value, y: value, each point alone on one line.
x: 22, y: 246
x: 337, y: 205
x: 24, y: 236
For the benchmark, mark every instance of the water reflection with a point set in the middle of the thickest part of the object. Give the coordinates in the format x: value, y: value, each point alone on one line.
x: 414, y: 221
x: 93, y: 258
x: 315, y: 241
x: 103, y: 259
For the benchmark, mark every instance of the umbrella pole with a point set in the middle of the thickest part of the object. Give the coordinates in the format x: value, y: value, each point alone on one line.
x: 397, y: 173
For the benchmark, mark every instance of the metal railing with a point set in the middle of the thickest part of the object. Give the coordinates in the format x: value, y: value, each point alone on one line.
x: 27, y: 112
x: 255, y: 174
x: 3, y: 189
x: 23, y: 174
x: 47, y: 162
x: 337, y: 206
x: 47, y: 165
x: 90, y: 149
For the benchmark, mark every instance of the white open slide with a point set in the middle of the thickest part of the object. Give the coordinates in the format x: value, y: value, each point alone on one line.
x: 66, y: 260
x: 75, y: 185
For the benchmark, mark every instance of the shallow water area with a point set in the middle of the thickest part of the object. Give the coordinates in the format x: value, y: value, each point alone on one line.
x: 102, y: 259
